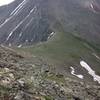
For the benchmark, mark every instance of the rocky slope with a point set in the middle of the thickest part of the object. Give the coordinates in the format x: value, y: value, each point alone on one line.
x: 24, y: 78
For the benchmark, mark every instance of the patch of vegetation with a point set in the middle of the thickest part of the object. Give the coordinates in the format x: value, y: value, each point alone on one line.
x: 4, y: 92
x: 60, y: 48
x: 4, y: 89
x: 48, y: 98
x: 65, y: 49
x: 58, y: 78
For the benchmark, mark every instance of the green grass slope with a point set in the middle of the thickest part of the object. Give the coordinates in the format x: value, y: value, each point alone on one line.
x: 65, y: 48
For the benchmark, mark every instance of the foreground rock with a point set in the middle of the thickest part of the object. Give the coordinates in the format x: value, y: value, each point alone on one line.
x: 27, y: 80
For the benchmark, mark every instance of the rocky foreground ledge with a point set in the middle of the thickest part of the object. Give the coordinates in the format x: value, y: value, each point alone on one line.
x: 22, y: 79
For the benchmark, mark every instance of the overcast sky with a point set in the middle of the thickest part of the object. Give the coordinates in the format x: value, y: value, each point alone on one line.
x: 5, y: 2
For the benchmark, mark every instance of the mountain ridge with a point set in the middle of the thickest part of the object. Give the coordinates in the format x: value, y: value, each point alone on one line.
x: 74, y: 16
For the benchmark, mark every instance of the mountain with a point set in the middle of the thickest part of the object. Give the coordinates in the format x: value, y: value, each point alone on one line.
x: 50, y: 50
x: 23, y: 23
x: 26, y: 22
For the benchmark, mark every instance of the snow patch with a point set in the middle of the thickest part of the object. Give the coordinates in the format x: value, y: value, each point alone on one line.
x: 91, y: 5
x: 73, y: 73
x: 13, y: 13
x: 20, y: 34
x: 26, y: 40
x: 9, y: 44
x: 28, y: 23
x: 19, y: 46
x: 17, y: 9
x: 5, y: 21
x: 51, y: 34
x: 32, y: 40
x: 90, y: 71
x: 9, y: 36
x: 19, y: 24
x: 94, y: 54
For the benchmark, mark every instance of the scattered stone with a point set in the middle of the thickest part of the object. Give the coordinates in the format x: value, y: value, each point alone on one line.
x: 6, y: 69
x: 21, y: 82
x: 6, y: 81
x: 11, y: 75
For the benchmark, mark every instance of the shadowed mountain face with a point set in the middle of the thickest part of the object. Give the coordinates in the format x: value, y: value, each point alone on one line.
x: 25, y: 22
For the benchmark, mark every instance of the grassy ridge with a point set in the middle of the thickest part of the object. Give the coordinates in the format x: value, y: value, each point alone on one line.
x: 65, y: 49
x: 61, y: 48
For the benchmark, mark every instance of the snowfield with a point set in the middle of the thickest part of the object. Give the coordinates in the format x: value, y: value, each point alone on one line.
x: 73, y: 73
x: 90, y: 71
